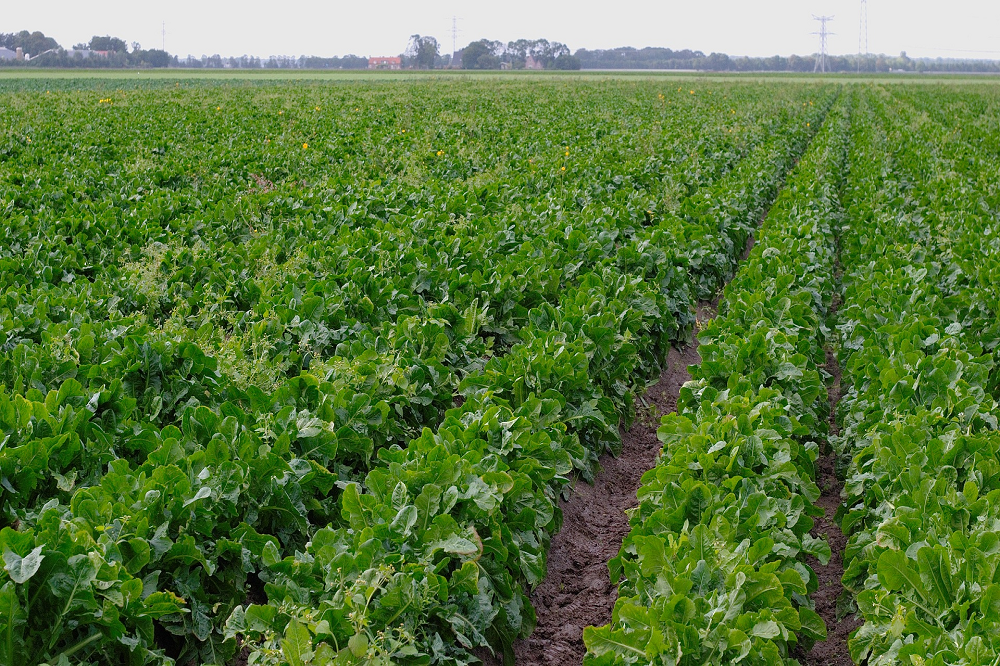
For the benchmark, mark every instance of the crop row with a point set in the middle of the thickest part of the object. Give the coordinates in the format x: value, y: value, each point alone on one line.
x: 498, y: 464
x: 713, y: 570
x: 213, y: 395
x: 919, y: 342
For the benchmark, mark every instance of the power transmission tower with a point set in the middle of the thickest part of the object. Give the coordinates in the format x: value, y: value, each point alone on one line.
x: 454, y: 34
x: 164, y: 36
x: 823, y: 34
x: 863, y: 34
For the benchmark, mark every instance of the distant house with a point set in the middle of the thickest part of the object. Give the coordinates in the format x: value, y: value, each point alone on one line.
x: 7, y: 54
x: 531, y: 63
x: 385, y: 63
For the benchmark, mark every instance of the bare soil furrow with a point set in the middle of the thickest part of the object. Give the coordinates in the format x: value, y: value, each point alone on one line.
x: 833, y: 651
x: 577, y: 592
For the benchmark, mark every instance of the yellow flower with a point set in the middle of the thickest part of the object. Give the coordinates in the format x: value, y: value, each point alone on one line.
x: 317, y: 108
x: 692, y: 92
x: 440, y: 153
x: 218, y: 108
x: 305, y: 146
x: 564, y: 168
x: 29, y: 139
x: 281, y: 113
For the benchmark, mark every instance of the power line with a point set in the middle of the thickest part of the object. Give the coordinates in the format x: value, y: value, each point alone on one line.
x: 823, y: 34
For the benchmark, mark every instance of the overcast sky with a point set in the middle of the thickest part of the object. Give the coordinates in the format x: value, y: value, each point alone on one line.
x: 958, y: 28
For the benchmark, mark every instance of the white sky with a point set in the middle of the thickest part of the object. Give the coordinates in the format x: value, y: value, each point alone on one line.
x: 958, y: 28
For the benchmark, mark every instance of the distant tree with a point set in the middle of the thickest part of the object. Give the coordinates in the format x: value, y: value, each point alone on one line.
x: 472, y: 53
x: 542, y: 50
x: 422, y: 52
x: 354, y: 62
x: 31, y: 42
x: 627, y: 57
x: 717, y: 62
x: 487, y: 61
x: 108, y: 43
x: 483, y: 54
x: 566, y: 61
x: 155, y: 58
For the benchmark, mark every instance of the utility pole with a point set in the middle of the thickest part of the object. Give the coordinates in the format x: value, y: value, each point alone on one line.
x: 823, y: 34
x: 863, y: 35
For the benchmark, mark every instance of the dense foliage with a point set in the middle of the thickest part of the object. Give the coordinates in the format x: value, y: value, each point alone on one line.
x: 906, y: 207
x: 920, y: 339
x: 305, y: 368
x: 713, y: 571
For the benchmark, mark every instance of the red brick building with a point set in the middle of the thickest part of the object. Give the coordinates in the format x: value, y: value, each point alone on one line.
x: 385, y: 63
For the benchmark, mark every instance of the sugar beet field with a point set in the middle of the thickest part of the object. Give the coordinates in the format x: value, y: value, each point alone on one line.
x: 518, y: 371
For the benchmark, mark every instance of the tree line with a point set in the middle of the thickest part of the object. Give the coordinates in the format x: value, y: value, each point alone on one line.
x: 114, y: 52
x: 628, y: 57
x: 489, y: 54
x: 424, y: 52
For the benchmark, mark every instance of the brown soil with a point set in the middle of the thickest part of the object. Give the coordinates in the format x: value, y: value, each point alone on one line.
x: 577, y: 592
x: 833, y: 651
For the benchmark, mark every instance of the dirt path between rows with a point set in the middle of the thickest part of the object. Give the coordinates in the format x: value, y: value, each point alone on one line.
x: 577, y: 592
x: 833, y: 651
